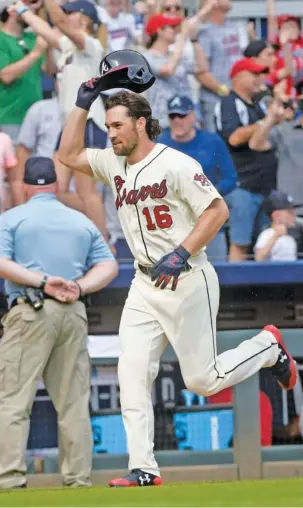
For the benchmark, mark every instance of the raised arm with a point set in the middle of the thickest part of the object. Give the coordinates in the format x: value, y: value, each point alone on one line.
x: 205, y: 11
x: 38, y: 25
x: 71, y: 151
x: 271, y: 20
x: 9, y: 73
x: 59, y: 19
x: 259, y: 140
x: 169, y: 68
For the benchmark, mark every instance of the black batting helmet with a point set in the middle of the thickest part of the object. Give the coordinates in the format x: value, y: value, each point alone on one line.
x: 126, y: 68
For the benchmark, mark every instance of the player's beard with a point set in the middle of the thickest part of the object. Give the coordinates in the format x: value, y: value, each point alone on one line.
x: 126, y: 150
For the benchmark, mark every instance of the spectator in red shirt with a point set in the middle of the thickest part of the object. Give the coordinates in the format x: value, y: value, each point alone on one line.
x: 288, y: 26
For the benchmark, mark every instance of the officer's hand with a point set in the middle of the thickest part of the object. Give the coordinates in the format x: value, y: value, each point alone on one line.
x: 169, y: 267
x: 57, y: 287
x: 88, y: 93
x: 73, y: 293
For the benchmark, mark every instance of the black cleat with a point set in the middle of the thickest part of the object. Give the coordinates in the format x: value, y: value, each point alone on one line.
x: 284, y: 370
x: 137, y: 478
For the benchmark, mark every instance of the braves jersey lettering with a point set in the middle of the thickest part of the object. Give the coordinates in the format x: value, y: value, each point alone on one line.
x: 159, y: 199
x: 155, y: 191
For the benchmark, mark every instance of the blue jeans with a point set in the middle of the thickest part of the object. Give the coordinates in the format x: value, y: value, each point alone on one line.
x: 216, y: 250
x: 246, y: 218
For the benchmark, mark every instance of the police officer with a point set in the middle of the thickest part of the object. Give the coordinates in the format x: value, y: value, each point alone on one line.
x: 51, y: 257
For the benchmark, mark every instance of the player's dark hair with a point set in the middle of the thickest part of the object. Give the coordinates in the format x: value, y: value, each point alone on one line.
x: 4, y: 15
x: 137, y: 107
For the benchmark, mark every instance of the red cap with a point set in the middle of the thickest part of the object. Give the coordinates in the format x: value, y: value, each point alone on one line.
x: 247, y: 64
x: 288, y: 17
x: 159, y: 21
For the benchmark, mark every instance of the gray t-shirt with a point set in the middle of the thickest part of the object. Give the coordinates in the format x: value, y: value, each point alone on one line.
x: 41, y: 128
x: 113, y: 225
x: 289, y: 142
x: 165, y: 88
x: 222, y: 46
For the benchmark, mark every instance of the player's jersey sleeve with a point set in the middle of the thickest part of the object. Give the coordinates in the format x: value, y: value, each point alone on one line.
x: 193, y: 187
x: 98, y: 161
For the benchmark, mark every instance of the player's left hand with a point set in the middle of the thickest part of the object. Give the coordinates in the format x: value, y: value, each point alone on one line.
x: 169, y: 267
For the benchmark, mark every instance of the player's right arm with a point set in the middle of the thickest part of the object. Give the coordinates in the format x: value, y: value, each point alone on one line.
x: 72, y: 152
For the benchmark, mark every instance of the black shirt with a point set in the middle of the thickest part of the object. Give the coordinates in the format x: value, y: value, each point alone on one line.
x: 257, y: 171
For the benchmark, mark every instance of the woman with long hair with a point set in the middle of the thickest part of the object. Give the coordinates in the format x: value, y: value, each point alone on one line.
x: 167, y: 39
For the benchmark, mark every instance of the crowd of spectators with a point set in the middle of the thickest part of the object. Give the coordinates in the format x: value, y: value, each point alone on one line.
x: 226, y: 98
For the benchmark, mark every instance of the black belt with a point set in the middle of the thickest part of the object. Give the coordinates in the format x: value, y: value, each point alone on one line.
x: 46, y: 297
x: 146, y: 270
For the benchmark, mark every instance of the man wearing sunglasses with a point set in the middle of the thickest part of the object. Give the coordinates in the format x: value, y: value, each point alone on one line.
x: 209, y: 150
x: 21, y: 58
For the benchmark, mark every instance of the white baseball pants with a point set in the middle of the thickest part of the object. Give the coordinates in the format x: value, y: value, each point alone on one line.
x: 187, y: 319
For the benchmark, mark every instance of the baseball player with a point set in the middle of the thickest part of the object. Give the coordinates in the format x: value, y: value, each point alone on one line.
x: 169, y: 211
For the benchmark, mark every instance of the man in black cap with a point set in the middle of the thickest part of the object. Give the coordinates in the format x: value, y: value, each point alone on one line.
x: 50, y: 257
x: 275, y: 243
x: 264, y: 54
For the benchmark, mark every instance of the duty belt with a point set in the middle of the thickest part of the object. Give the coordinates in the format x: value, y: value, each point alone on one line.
x: 22, y: 299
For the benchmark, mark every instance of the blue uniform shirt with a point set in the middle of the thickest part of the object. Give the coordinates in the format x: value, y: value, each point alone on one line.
x: 46, y: 236
x: 213, y: 155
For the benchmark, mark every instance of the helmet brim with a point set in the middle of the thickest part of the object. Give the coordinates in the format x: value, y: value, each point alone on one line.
x: 119, y: 78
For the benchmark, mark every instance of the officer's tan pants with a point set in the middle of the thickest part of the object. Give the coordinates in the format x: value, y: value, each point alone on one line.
x: 51, y: 344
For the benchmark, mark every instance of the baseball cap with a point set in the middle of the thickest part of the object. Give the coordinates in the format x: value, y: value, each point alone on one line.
x: 247, y: 64
x: 86, y: 8
x: 39, y: 171
x: 180, y: 104
x: 254, y: 48
x: 288, y: 17
x: 278, y: 200
x: 159, y: 21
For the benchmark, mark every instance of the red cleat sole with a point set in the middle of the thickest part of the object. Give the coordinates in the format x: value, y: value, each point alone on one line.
x: 293, y: 370
x: 122, y: 483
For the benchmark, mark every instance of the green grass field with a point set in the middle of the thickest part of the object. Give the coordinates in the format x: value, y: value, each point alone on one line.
x: 286, y: 492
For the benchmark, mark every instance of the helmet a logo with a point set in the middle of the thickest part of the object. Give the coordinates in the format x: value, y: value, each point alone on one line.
x: 104, y: 68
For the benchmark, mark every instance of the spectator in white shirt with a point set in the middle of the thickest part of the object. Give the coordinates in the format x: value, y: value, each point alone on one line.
x: 78, y: 54
x: 275, y: 243
x: 222, y: 41
x: 120, y: 25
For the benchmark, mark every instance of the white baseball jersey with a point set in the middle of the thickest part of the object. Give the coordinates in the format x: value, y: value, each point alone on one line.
x: 159, y: 199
